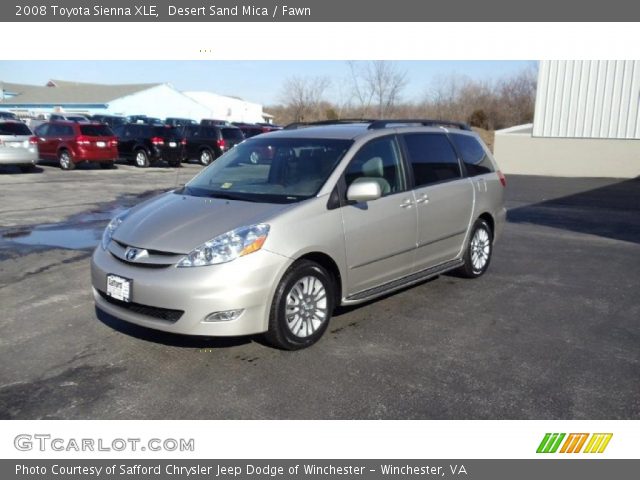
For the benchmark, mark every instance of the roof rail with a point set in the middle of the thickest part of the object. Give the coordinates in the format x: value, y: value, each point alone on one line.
x: 340, y: 121
x: 377, y: 124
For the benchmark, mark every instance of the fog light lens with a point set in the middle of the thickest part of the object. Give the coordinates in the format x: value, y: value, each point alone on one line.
x: 226, y: 316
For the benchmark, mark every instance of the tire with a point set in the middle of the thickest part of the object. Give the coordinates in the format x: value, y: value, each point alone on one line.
x: 206, y: 157
x: 107, y: 165
x: 65, y: 160
x: 303, y: 326
x: 477, y: 255
x: 141, y: 159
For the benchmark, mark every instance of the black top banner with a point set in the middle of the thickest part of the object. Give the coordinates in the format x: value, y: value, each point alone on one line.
x: 318, y: 11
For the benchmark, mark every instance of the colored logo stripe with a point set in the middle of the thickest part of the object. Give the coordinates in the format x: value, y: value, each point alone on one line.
x: 574, y: 443
x: 550, y: 442
x: 598, y: 442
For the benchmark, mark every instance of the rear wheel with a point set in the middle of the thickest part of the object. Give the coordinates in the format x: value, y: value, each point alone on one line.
x: 206, y: 157
x: 478, y: 253
x: 302, y: 306
x: 66, y: 162
x: 141, y: 159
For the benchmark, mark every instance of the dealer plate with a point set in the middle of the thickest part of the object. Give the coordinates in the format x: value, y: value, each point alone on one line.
x: 101, y: 144
x: 172, y: 144
x: 119, y: 287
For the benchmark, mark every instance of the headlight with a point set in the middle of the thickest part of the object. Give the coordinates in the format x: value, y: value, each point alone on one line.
x: 226, y: 247
x: 111, y: 228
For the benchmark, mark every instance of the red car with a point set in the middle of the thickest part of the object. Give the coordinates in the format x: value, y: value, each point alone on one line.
x: 70, y: 143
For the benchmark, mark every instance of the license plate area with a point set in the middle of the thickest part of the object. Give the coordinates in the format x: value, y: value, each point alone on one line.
x: 173, y: 144
x: 101, y: 144
x: 119, y: 287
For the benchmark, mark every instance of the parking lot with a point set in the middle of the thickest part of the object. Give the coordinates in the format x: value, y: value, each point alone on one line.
x: 550, y: 332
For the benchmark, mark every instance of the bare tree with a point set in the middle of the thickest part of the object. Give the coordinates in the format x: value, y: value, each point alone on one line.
x: 303, y: 96
x: 377, y: 86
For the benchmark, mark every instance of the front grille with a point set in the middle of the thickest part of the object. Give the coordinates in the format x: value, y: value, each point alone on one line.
x: 165, y: 314
x: 140, y: 264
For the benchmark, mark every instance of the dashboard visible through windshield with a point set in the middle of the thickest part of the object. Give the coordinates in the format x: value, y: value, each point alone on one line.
x: 278, y: 170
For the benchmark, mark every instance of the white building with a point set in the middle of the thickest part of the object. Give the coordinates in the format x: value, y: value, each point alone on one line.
x: 160, y: 100
x: 230, y: 108
x: 586, y: 122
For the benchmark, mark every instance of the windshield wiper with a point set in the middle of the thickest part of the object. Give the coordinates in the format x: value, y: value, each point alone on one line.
x: 227, y: 196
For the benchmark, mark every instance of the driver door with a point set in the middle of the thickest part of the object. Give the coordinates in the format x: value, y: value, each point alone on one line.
x: 380, y: 235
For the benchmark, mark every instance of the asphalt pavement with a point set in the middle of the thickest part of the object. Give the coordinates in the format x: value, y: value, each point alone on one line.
x: 552, y: 331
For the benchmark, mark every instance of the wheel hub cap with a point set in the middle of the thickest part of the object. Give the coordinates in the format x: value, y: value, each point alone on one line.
x: 306, y: 306
x: 480, y: 249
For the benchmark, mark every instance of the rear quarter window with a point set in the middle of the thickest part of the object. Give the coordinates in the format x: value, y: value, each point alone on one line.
x: 14, y: 129
x: 474, y: 156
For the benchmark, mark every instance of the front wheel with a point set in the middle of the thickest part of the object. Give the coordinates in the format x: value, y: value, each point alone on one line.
x: 302, y: 306
x: 479, y: 249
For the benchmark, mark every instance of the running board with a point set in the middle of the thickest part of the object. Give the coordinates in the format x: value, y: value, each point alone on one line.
x: 405, y: 281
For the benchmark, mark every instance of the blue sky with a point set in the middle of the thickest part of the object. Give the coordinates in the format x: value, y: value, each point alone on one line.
x: 256, y: 80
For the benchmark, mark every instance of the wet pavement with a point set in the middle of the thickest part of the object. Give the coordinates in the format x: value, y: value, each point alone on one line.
x: 551, y: 331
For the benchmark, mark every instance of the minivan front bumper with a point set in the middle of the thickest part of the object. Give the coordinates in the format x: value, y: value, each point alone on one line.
x: 160, y: 295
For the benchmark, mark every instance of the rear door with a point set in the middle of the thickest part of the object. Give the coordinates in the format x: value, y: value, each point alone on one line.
x: 126, y: 140
x: 380, y: 236
x: 443, y: 196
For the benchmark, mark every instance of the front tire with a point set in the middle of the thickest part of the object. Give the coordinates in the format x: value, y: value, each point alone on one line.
x: 477, y: 256
x: 302, y: 306
x: 65, y: 160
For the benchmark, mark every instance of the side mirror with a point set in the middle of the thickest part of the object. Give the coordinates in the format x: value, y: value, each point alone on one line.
x: 364, y: 191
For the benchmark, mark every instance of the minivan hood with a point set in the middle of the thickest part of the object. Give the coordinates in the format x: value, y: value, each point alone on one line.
x: 179, y: 223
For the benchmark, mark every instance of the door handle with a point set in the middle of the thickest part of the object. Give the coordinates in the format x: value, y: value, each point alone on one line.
x: 424, y: 198
x: 406, y: 203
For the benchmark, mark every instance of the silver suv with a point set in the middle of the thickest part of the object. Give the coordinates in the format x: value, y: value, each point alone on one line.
x: 281, y: 229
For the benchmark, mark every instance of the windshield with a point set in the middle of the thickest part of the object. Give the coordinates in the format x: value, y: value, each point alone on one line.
x: 279, y: 170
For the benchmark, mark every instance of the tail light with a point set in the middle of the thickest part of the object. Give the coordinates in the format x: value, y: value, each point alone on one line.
x: 220, y: 143
x: 33, y: 140
x: 503, y: 180
x: 183, y: 141
x: 113, y: 142
x: 82, y: 140
x: 157, y: 141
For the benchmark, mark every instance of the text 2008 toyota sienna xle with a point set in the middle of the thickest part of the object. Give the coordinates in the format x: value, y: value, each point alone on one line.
x: 329, y: 215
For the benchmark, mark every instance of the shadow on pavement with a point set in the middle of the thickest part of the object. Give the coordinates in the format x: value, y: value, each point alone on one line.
x: 611, y: 211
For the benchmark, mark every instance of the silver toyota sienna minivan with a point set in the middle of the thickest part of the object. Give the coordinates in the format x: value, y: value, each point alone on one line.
x: 286, y: 226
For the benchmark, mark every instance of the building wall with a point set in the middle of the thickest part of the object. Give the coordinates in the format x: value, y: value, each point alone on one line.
x: 588, y: 99
x: 520, y: 153
x: 161, y: 101
x: 231, y: 109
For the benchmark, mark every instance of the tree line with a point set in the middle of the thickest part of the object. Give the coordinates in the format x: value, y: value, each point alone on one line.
x: 375, y: 90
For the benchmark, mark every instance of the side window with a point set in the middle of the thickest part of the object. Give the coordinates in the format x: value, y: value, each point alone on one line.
x: 42, y: 130
x: 432, y: 158
x: 67, y: 131
x: 54, y: 130
x: 380, y: 161
x: 475, y: 158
